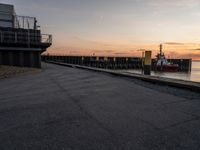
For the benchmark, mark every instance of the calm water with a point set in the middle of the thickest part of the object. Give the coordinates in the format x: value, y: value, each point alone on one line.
x: 193, y: 76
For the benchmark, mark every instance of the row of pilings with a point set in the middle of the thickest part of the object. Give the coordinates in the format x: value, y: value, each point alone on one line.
x: 98, y: 62
x: 114, y: 62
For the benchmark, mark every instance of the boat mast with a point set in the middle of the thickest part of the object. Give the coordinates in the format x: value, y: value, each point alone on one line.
x: 161, y: 47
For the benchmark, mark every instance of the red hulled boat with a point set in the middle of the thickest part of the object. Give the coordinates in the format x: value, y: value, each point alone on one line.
x: 162, y: 63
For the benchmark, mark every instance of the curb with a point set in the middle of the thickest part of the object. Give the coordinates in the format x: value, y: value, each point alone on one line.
x: 189, y: 85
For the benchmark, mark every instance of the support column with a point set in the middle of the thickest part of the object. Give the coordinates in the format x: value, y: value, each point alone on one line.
x: 39, y: 60
x: 21, y: 58
x: 0, y: 58
x: 10, y: 56
x: 32, y: 61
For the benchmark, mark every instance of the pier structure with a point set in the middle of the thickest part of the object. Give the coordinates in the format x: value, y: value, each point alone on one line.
x: 21, y: 40
x: 98, y: 62
x: 114, y: 62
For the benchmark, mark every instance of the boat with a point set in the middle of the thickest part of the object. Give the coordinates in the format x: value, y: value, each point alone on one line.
x: 162, y: 64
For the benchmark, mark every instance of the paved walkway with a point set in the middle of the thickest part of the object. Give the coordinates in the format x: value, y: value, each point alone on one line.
x: 72, y: 109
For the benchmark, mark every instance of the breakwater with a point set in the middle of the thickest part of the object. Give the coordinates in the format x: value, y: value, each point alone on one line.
x: 114, y: 62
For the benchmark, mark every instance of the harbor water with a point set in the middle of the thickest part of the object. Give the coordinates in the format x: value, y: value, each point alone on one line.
x: 194, y: 75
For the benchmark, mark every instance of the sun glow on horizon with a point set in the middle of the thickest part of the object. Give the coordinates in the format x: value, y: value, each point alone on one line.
x: 171, y: 50
x: 117, y: 27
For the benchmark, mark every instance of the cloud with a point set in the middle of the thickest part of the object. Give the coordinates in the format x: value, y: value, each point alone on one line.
x: 198, y: 49
x: 122, y: 53
x: 174, y: 43
x: 190, y: 55
x: 174, y: 3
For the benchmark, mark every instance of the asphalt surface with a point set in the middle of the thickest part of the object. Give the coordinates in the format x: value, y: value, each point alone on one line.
x: 65, y: 108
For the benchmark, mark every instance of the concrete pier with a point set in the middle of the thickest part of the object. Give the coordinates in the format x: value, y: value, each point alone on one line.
x: 70, y: 108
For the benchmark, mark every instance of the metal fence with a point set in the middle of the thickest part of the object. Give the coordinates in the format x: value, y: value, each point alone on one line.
x: 29, y: 37
x: 46, y: 38
x: 25, y: 22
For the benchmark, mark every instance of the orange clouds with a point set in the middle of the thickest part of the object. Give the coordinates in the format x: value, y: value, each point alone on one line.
x: 171, y: 49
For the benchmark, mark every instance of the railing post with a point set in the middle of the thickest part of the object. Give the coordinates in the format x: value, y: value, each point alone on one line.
x: 23, y: 21
x: 1, y: 33
x: 50, y: 36
x: 28, y: 40
x: 2, y: 37
x: 15, y: 37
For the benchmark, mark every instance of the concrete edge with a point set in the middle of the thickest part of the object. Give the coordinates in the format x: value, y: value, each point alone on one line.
x: 188, y: 85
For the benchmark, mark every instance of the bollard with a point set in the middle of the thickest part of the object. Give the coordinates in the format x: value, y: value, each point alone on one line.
x: 147, y: 63
x: 82, y: 60
x: 143, y: 57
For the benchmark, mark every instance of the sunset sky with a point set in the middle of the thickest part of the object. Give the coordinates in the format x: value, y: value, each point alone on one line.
x: 117, y: 27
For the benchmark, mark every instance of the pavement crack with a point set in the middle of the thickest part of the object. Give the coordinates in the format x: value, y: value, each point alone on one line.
x: 115, y: 137
x: 58, y: 84
x: 179, y: 123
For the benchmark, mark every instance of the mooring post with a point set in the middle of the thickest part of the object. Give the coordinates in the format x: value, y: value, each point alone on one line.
x: 142, y: 61
x: 82, y: 60
x: 190, y: 65
x: 114, y: 63
x: 147, y: 63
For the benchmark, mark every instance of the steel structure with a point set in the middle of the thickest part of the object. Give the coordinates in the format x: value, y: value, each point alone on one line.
x: 20, y: 39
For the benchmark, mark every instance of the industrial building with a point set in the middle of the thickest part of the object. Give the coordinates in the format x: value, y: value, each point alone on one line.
x: 21, y: 41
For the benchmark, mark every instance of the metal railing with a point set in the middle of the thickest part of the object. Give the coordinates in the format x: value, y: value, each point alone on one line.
x: 25, y: 22
x: 18, y: 22
x: 46, y: 38
x: 29, y: 38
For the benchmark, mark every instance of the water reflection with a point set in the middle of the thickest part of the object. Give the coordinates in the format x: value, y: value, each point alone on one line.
x: 194, y: 75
